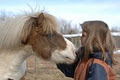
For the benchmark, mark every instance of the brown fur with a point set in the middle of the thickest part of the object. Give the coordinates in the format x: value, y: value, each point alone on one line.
x: 44, y: 36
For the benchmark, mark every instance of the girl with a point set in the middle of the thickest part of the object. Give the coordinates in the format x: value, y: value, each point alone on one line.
x: 95, y: 57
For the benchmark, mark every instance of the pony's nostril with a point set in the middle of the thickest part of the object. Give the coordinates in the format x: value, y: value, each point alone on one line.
x: 74, y: 53
x: 66, y: 57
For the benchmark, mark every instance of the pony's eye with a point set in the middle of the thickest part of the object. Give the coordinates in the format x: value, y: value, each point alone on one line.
x: 49, y: 35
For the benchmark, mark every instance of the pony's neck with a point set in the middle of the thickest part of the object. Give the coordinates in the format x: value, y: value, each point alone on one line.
x: 12, y: 62
x: 23, y: 53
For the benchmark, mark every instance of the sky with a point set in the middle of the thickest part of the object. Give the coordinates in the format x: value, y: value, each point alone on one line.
x: 76, y: 11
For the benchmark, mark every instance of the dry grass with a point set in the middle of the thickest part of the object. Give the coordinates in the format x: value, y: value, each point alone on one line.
x: 46, y: 70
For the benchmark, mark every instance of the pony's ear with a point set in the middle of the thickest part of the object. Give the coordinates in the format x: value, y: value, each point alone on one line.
x: 40, y: 19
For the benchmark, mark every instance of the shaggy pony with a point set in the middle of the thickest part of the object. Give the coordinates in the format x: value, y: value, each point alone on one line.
x: 25, y: 35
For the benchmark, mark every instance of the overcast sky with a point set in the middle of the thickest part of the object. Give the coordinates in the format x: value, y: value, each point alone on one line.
x: 75, y: 10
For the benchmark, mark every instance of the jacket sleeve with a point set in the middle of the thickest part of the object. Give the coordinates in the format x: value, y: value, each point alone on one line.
x: 96, y: 72
x: 69, y: 69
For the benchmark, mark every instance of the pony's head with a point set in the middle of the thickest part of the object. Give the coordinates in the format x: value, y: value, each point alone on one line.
x: 42, y: 33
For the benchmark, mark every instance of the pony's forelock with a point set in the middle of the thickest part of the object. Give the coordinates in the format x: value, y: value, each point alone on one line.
x: 50, y: 24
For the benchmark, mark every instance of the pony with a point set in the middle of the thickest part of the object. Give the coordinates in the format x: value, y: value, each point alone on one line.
x: 31, y: 34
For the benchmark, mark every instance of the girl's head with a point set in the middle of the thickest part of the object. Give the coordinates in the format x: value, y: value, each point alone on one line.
x: 96, y: 34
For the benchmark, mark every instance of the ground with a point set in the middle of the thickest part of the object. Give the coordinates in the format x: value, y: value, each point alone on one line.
x: 117, y: 66
x: 45, y: 70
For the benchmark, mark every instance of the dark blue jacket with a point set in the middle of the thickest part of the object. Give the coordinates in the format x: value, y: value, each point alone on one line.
x: 96, y: 71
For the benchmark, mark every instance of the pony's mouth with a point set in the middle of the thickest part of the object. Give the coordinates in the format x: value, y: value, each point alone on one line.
x: 70, y: 60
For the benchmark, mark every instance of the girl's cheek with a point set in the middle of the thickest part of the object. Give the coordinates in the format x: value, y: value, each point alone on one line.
x: 82, y: 41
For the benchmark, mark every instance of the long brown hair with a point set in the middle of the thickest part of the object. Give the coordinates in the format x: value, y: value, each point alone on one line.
x: 99, y: 36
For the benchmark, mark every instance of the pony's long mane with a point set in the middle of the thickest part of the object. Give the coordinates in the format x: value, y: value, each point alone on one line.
x: 14, y: 29
x: 10, y: 32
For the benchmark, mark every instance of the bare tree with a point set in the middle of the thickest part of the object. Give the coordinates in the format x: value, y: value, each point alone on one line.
x: 68, y: 27
x: 115, y: 29
x: 116, y: 38
x: 3, y: 15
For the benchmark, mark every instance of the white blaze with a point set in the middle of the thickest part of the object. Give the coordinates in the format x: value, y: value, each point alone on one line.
x: 64, y: 56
